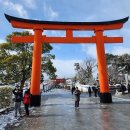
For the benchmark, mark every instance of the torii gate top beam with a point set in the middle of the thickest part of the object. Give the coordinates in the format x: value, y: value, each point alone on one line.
x: 55, y: 25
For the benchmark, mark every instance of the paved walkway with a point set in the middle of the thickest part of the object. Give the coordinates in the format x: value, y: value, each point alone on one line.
x: 57, y: 112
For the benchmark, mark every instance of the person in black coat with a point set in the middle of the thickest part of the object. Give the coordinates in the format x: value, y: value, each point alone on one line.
x: 77, y: 97
x: 73, y: 89
x: 128, y: 86
x: 18, y: 98
x: 95, y: 92
x: 89, y: 91
x: 98, y: 88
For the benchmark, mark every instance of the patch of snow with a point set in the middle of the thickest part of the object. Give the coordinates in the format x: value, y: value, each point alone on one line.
x: 8, y: 119
x: 3, y: 109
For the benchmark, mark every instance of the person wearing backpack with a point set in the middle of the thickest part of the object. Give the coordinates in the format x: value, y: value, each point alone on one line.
x: 26, y: 101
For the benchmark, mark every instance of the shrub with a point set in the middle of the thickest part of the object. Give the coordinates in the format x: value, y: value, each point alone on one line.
x: 5, y: 96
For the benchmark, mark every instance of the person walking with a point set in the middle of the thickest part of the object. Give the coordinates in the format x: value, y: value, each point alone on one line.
x: 26, y: 101
x: 89, y: 91
x: 73, y: 89
x: 77, y: 97
x: 128, y: 87
x: 98, y: 88
x: 95, y: 91
x: 18, y: 97
x: 123, y: 88
x: 43, y: 87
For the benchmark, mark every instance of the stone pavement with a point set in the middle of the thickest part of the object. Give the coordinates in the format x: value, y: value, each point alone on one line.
x: 57, y: 112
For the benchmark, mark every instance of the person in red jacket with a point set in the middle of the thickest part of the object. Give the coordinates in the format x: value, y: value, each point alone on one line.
x: 26, y: 101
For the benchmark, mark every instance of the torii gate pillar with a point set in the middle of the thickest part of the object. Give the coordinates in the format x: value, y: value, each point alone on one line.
x: 36, y: 68
x: 105, y: 95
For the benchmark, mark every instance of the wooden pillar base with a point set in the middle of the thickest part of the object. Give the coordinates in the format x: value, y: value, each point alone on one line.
x: 105, y: 98
x: 35, y: 100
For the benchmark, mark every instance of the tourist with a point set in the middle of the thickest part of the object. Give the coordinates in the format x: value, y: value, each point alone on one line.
x: 18, y: 96
x: 73, y: 89
x: 26, y: 101
x: 89, y: 91
x: 95, y: 92
x: 77, y: 97
x: 98, y: 88
x: 123, y: 88
x: 128, y: 87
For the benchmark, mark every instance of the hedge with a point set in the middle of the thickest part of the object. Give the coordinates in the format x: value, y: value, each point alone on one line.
x: 5, y: 96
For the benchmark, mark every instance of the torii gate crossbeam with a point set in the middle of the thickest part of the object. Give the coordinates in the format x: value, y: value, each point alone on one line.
x: 39, y: 26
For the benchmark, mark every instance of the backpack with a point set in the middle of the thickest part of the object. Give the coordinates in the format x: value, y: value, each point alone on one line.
x: 26, y: 99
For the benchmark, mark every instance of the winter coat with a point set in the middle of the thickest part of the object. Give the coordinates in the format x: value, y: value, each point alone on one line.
x: 77, y: 95
x: 26, y: 99
x: 89, y: 90
x: 18, y: 95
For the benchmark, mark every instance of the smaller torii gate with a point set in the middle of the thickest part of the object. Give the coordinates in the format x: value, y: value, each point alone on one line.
x: 39, y: 26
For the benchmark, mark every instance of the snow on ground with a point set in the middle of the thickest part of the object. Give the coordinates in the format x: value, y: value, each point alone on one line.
x: 8, y: 119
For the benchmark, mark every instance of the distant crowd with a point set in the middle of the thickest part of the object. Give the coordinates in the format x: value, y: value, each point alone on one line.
x: 23, y: 95
x: 95, y: 90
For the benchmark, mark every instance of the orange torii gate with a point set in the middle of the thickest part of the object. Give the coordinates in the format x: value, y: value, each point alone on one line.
x: 39, y: 26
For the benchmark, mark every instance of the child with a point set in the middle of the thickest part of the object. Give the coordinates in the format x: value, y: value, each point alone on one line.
x: 26, y: 101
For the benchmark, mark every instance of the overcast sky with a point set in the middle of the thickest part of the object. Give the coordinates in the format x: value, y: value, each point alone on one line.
x: 74, y: 11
